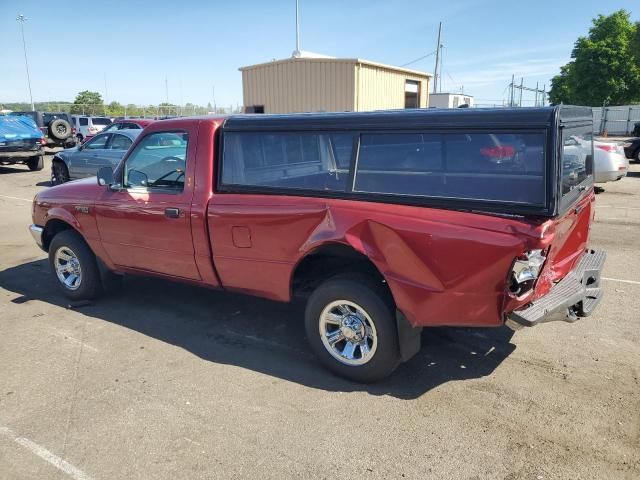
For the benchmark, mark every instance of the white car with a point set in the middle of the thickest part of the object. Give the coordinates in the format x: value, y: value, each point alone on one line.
x: 87, y: 127
x: 609, y: 161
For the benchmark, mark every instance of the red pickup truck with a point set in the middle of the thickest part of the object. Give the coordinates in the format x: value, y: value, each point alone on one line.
x: 386, y: 222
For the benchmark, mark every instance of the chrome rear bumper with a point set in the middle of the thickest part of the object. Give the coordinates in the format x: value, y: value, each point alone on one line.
x: 573, y: 297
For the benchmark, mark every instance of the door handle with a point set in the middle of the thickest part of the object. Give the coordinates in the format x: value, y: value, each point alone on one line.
x: 172, y: 212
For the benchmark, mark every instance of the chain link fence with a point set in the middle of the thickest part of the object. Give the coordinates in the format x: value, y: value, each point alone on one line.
x: 619, y: 120
x: 125, y: 111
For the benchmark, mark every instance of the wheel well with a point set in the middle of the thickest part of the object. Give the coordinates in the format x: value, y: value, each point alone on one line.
x: 328, y: 261
x: 51, y: 229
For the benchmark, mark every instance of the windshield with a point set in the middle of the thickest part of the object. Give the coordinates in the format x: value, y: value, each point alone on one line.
x: 577, y: 156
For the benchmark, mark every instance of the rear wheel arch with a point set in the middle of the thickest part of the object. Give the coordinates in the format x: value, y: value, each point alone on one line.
x: 338, y: 260
x: 329, y: 260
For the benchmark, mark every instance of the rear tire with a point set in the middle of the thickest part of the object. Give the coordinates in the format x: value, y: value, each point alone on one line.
x: 35, y: 164
x: 59, y: 173
x: 637, y: 155
x: 74, y: 266
x: 350, y: 326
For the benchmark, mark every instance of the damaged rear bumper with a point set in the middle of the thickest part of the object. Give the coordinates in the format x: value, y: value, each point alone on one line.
x: 573, y: 297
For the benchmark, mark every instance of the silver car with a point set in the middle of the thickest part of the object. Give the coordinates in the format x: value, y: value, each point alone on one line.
x: 103, y: 150
x: 609, y: 161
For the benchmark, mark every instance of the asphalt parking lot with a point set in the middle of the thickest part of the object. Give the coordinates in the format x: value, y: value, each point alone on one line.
x: 167, y: 381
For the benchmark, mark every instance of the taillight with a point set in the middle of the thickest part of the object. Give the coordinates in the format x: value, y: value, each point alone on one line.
x: 73, y: 130
x: 43, y: 141
x: 608, y: 148
x: 525, y: 271
x: 499, y: 152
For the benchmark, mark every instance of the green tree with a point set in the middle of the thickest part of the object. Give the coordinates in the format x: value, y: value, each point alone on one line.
x: 114, y: 109
x: 88, y: 103
x: 605, y: 66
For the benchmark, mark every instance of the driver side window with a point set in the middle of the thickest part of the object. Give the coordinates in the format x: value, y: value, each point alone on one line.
x: 158, y: 162
x: 97, y: 143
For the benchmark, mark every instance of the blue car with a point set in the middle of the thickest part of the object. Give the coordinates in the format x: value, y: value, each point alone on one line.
x: 103, y: 150
x: 21, y: 142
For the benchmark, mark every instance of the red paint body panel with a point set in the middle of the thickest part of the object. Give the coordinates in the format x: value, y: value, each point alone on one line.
x: 443, y: 267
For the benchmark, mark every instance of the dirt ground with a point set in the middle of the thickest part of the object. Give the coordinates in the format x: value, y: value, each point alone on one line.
x: 167, y: 381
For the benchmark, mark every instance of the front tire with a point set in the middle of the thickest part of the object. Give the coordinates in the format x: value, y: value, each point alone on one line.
x: 59, y: 173
x: 74, y: 266
x: 350, y: 326
x: 35, y: 164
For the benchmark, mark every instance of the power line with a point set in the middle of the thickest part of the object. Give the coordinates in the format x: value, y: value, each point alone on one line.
x: 22, y: 19
x: 418, y: 59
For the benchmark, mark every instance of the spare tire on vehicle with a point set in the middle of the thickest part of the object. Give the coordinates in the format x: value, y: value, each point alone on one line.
x: 60, y: 129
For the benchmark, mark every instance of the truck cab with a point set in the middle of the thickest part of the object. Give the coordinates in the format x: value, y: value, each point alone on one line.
x: 384, y: 222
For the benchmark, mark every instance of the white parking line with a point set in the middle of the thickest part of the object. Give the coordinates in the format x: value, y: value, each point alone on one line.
x: 632, y: 282
x: 617, y: 206
x: 46, y: 455
x: 16, y: 198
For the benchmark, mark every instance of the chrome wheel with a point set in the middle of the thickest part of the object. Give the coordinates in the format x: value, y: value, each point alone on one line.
x: 68, y: 268
x: 348, y: 333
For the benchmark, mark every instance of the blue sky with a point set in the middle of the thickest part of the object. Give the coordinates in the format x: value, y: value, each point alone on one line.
x: 198, y: 44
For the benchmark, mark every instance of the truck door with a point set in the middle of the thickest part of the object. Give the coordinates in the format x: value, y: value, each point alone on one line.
x: 146, y: 225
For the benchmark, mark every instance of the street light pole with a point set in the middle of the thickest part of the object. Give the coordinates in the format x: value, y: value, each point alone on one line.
x: 22, y: 19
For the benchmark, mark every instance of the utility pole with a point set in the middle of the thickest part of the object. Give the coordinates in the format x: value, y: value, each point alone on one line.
x: 22, y: 19
x: 213, y: 96
x: 435, y: 73
x: 441, y: 69
x: 105, y: 94
x: 296, y: 52
x: 166, y: 88
x: 521, y: 85
x: 511, y: 96
x: 522, y: 88
x: 297, y: 28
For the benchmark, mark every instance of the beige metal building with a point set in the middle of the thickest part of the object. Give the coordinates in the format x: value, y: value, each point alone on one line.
x: 312, y: 83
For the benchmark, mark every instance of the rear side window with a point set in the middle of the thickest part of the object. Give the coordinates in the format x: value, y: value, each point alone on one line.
x: 577, y: 156
x: 101, y: 121
x: 120, y: 142
x: 309, y: 161
x: 505, y: 167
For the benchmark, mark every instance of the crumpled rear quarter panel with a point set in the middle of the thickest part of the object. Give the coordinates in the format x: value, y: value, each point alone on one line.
x: 443, y: 267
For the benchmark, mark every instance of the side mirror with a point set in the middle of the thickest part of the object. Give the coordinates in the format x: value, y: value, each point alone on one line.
x: 105, y: 176
x: 137, y: 178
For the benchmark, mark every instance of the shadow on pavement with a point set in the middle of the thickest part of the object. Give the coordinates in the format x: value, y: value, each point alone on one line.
x: 19, y: 168
x: 264, y: 336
